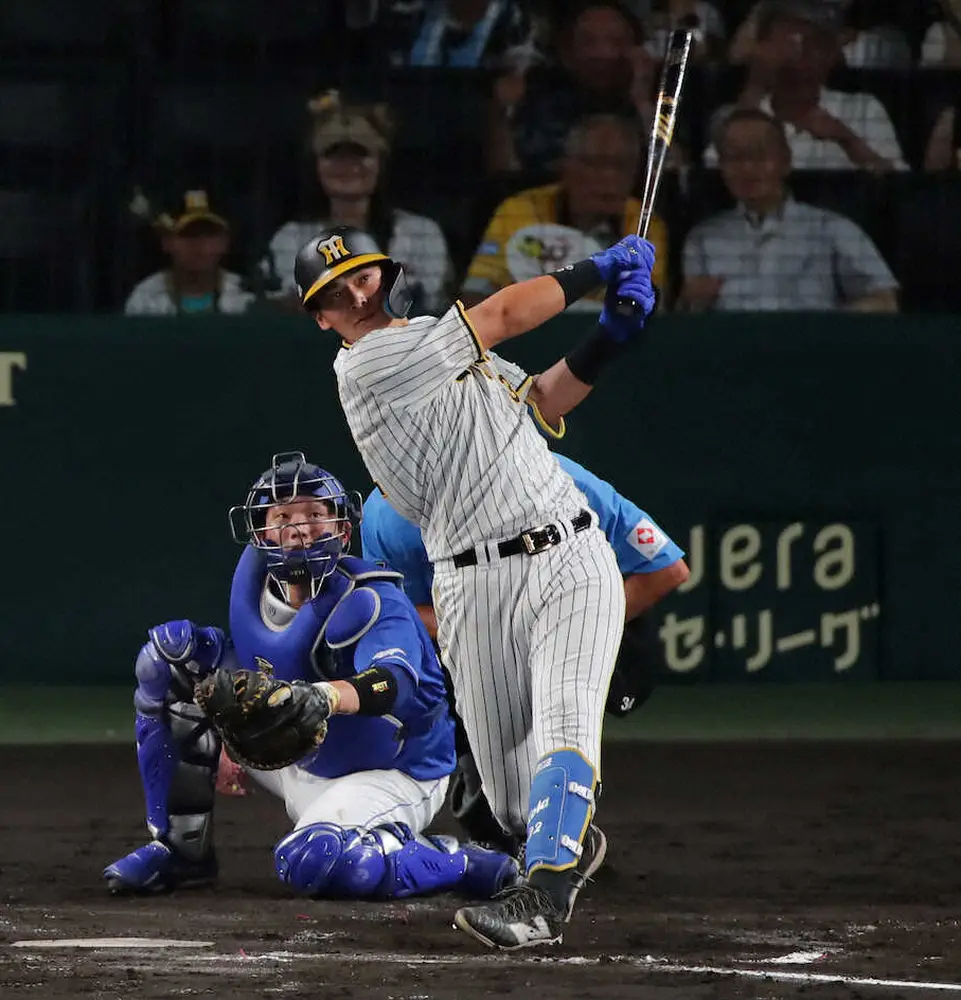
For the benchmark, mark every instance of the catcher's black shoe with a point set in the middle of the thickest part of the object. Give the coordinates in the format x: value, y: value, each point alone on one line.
x: 519, y: 917
x: 592, y: 857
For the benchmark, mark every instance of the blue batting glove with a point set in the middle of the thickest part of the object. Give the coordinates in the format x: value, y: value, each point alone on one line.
x: 631, y: 253
x: 634, y: 287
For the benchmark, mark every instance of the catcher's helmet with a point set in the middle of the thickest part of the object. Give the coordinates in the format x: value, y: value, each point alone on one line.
x: 334, y: 252
x: 291, y: 475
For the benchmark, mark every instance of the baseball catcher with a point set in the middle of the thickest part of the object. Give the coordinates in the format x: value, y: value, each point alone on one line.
x: 329, y: 693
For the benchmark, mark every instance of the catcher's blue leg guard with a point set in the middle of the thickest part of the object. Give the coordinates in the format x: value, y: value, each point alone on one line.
x: 178, y: 752
x: 562, y: 803
x: 388, y: 862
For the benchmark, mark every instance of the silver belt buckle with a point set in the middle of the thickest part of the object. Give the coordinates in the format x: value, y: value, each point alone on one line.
x: 548, y: 534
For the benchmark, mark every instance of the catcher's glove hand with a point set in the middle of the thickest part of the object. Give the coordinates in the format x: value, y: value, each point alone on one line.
x: 266, y: 723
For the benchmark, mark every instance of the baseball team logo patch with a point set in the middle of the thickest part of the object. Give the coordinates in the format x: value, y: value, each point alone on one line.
x: 647, y: 538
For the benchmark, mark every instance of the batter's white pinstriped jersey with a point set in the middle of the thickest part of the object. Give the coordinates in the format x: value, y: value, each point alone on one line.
x: 446, y: 436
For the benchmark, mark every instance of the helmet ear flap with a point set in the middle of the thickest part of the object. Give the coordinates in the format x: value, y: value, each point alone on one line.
x: 398, y: 297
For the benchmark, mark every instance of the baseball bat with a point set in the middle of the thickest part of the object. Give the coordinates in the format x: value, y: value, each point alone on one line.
x: 662, y: 131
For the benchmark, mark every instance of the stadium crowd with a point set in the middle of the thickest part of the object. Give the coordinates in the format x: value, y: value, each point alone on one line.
x: 169, y: 159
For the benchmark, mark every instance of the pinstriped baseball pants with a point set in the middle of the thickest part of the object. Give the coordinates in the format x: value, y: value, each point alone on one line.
x: 530, y: 643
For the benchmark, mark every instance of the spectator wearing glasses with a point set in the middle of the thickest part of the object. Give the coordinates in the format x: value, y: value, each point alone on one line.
x: 771, y: 252
x: 544, y: 228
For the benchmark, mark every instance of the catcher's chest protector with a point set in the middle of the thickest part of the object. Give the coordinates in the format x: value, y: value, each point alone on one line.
x: 299, y: 650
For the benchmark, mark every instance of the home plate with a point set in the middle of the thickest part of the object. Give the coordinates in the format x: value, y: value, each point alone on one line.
x: 130, y: 943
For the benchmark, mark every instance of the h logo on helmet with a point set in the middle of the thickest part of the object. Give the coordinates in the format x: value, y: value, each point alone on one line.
x: 333, y: 248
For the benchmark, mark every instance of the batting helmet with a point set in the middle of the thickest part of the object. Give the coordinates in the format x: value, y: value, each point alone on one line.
x: 337, y: 251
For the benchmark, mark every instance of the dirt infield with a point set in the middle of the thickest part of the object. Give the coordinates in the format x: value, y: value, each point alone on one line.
x: 749, y: 870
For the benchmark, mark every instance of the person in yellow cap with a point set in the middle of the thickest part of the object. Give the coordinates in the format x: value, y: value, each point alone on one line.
x: 195, y: 240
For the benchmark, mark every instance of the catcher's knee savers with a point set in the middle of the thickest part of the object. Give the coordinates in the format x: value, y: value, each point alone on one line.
x: 562, y: 803
x: 387, y: 862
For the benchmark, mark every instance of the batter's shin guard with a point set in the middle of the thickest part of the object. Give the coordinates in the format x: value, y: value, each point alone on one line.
x: 561, y: 807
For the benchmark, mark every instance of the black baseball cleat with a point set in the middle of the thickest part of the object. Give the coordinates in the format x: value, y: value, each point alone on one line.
x: 519, y: 917
x: 594, y: 851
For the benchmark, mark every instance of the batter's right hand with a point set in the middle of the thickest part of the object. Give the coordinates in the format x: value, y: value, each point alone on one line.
x: 630, y: 254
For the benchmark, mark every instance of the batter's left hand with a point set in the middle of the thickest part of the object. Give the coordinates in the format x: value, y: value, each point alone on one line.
x: 631, y: 286
x: 630, y: 254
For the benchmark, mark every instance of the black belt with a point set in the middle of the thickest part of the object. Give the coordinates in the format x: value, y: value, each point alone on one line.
x: 532, y: 541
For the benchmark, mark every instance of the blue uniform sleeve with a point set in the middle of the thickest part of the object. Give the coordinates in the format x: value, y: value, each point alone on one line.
x: 639, y: 543
x: 388, y: 538
x: 394, y: 643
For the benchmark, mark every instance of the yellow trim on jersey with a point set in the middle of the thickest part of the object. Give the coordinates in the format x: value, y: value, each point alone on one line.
x: 338, y: 269
x: 523, y: 391
x: 556, y: 433
x: 482, y: 354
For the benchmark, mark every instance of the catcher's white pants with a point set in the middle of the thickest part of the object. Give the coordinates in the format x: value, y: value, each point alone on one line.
x: 530, y: 642
x: 364, y: 800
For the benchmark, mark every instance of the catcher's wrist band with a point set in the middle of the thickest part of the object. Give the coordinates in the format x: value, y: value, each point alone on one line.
x: 376, y: 690
x: 578, y: 280
x: 592, y: 355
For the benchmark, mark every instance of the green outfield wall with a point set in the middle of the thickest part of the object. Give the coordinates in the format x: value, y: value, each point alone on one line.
x: 809, y: 465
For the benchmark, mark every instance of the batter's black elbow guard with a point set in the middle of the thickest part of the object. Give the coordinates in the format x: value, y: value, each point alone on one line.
x: 376, y: 690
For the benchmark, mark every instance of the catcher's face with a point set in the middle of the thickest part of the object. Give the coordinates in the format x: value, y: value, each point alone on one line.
x: 353, y: 304
x: 302, y: 521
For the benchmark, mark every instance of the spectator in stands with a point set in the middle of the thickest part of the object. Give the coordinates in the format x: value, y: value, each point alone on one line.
x: 196, y: 240
x: 943, y: 151
x: 871, y: 38
x: 604, y: 68
x: 790, y: 51
x: 701, y: 17
x: 545, y: 228
x: 770, y: 251
x: 941, y: 48
x: 461, y: 34
x: 351, y: 143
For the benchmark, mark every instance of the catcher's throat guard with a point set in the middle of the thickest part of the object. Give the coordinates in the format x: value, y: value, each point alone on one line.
x: 266, y: 723
x: 337, y: 251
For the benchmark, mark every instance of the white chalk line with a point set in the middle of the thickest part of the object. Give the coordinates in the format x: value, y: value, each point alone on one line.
x: 648, y: 963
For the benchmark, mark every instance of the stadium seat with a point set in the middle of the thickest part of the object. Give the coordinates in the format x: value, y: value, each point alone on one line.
x: 45, y: 243
x: 926, y: 250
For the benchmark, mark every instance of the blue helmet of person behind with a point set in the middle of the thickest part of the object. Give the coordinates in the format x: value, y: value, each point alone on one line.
x: 295, y: 557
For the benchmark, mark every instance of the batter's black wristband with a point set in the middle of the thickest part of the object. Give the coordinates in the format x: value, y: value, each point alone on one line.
x: 592, y: 355
x: 578, y: 280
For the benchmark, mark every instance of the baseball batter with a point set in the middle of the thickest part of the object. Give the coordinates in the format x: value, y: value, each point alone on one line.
x: 345, y: 637
x: 651, y: 564
x: 527, y: 592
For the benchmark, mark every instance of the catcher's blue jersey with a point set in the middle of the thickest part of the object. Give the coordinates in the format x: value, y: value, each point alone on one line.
x: 638, y: 542
x: 360, y: 619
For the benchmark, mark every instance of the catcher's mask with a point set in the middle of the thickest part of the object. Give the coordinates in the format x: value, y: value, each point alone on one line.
x: 338, y: 251
x: 296, y: 556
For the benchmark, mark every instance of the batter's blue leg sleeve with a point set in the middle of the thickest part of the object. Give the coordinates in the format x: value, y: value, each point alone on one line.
x: 388, y: 862
x: 562, y: 804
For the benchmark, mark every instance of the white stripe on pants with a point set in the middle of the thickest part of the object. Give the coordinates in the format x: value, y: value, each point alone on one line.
x: 530, y: 642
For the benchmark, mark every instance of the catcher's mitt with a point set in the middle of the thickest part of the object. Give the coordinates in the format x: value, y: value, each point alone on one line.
x: 265, y: 722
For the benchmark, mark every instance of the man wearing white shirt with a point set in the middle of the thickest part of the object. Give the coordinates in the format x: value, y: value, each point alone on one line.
x: 826, y: 129
x: 772, y: 252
